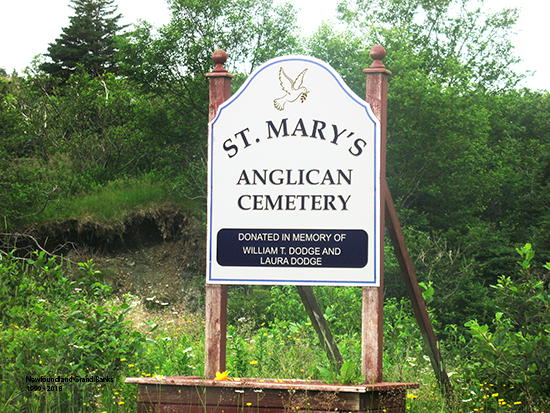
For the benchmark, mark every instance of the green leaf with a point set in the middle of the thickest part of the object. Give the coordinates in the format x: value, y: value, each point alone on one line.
x: 346, y: 371
x: 327, y: 374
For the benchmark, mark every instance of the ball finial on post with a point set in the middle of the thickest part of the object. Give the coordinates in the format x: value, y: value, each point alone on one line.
x: 377, y: 53
x: 219, y: 57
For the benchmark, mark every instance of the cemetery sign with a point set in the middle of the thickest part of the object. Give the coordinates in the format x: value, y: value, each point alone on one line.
x: 294, y: 181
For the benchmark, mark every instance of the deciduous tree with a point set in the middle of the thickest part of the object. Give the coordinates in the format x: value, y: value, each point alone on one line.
x: 171, y: 66
x: 467, y: 158
x: 459, y: 42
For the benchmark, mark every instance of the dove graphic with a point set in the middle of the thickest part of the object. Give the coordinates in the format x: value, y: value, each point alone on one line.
x: 293, y: 89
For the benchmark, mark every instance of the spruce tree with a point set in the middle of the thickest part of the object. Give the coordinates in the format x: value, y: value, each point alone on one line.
x: 88, y: 40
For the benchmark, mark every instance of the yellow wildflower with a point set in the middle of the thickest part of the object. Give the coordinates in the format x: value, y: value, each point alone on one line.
x: 222, y: 376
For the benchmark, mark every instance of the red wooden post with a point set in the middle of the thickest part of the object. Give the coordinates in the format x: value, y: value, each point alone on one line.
x: 419, y: 306
x: 216, y: 295
x: 372, y: 315
x: 320, y: 325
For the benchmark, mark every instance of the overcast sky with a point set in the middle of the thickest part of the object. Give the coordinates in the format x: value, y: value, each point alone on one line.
x: 28, y: 26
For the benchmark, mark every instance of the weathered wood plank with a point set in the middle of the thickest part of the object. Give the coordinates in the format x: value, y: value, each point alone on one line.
x: 163, y: 407
x: 271, y: 384
x: 196, y: 395
x: 261, y: 398
x: 387, y: 399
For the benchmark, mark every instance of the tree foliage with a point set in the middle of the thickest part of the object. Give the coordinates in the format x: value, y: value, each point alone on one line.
x: 63, y: 136
x: 467, y: 157
x: 458, y: 42
x: 173, y: 61
x: 171, y: 65
x: 89, y: 40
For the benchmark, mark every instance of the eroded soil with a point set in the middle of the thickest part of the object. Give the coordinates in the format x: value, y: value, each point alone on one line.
x: 156, y: 254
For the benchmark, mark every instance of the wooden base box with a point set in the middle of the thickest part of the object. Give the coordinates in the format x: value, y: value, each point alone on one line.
x: 196, y: 395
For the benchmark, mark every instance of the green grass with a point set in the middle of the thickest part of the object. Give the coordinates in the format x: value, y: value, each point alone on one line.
x: 114, y: 202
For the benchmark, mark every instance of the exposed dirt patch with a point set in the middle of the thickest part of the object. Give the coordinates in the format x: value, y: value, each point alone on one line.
x: 157, y: 254
x: 161, y: 274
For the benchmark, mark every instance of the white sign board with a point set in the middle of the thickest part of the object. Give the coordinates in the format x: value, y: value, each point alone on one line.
x: 294, y: 181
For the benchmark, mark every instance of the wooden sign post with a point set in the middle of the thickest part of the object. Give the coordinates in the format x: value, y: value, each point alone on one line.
x: 216, y: 295
x: 373, y: 297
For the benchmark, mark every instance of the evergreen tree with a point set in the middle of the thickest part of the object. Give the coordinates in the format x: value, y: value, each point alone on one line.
x: 88, y: 40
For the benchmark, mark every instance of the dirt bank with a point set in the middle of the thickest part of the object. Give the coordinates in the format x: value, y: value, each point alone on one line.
x: 157, y: 254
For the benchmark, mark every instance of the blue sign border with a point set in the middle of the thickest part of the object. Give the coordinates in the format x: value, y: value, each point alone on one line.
x: 377, y: 183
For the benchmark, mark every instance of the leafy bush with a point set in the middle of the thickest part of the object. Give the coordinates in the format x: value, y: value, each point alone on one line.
x: 341, y: 307
x: 348, y: 375
x: 402, y: 339
x: 514, y: 353
x: 54, y: 327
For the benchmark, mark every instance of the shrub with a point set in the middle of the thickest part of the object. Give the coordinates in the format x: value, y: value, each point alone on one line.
x: 56, y: 328
x: 514, y: 353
